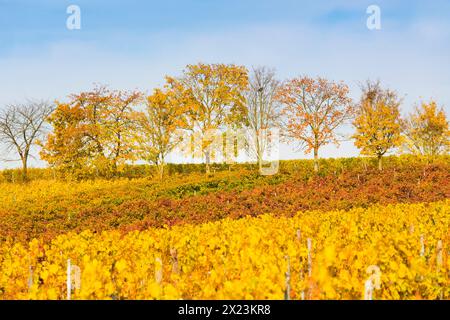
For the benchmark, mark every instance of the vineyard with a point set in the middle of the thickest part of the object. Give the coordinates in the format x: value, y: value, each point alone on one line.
x: 224, y: 158
x: 46, y: 208
x: 348, y: 231
x: 313, y: 255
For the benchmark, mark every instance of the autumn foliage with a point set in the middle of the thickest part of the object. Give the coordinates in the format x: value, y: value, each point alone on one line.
x: 377, y: 122
x: 98, y: 225
x: 314, y: 109
x: 327, y: 255
x: 160, y: 125
x: 427, y: 130
x: 59, y: 207
x: 214, y: 95
x: 94, y: 130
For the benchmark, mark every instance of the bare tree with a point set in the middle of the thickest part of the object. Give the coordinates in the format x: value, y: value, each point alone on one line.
x: 263, y: 111
x: 21, y: 125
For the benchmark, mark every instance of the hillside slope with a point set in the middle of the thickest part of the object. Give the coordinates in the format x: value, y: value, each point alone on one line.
x: 46, y: 208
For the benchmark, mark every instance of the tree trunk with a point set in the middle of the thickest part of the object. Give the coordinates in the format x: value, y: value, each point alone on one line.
x: 258, y: 150
x: 260, y: 160
x: 380, y: 163
x: 208, y: 162
x: 114, y: 167
x: 24, y: 169
x: 161, y: 170
x: 316, y: 159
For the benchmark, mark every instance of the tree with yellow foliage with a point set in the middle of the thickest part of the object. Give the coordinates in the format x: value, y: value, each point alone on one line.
x: 427, y: 130
x: 163, y: 117
x: 377, y: 122
x: 119, y: 126
x: 216, y: 95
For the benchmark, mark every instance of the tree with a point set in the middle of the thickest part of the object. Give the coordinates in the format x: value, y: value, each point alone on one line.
x: 66, y: 147
x: 21, y: 126
x: 119, y: 126
x: 263, y: 111
x: 94, y: 130
x: 159, y: 126
x: 377, y: 122
x: 314, y: 109
x: 215, y: 92
x: 427, y: 130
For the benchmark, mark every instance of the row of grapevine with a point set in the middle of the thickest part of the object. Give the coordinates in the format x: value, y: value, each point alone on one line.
x: 313, y: 255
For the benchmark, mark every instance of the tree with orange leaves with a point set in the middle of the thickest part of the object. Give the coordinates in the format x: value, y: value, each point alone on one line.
x: 66, y: 148
x: 93, y: 130
x: 313, y: 110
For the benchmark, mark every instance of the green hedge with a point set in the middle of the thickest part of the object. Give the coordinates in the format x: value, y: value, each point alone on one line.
x: 301, y: 167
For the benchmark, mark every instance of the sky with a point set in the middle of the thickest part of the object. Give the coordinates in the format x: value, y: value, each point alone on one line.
x: 134, y: 44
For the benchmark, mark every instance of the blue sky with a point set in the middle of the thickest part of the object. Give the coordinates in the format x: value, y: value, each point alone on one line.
x: 134, y: 44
